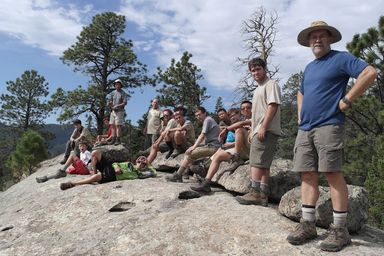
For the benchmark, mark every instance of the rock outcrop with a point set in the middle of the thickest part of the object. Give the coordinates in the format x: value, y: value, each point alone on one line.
x: 281, y: 179
x: 114, y: 153
x: 290, y: 206
x: 146, y: 217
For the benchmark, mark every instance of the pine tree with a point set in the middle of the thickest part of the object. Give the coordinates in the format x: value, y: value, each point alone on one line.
x: 30, y: 151
x: 104, y: 55
x: 180, y: 85
x: 25, y: 106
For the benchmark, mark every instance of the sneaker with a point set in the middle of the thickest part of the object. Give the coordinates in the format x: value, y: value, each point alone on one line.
x: 235, y: 162
x: 176, y: 152
x: 60, y: 174
x: 41, y: 179
x: 337, y: 238
x: 66, y: 185
x: 204, y: 187
x: 303, y: 232
x: 175, y: 177
x: 253, y: 198
x: 117, y: 141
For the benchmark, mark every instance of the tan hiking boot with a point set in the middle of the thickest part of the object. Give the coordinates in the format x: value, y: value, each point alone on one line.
x: 336, y: 239
x: 253, y: 197
x: 175, y: 177
x: 303, y: 232
x: 204, y: 187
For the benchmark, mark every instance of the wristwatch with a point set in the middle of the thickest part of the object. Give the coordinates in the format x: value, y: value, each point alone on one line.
x: 347, y: 101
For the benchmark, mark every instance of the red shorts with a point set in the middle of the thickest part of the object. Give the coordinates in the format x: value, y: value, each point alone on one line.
x: 78, y: 167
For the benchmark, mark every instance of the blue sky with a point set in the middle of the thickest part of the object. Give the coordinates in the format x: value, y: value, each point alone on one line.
x: 34, y: 33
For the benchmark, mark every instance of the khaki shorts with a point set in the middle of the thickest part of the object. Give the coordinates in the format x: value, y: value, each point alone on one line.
x: 262, y: 152
x: 117, y: 117
x: 320, y: 149
x: 244, y: 153
x: 201, y: 152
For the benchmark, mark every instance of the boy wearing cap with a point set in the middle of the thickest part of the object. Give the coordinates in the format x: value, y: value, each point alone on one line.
x: 322, y: 100
x: 117, y: 102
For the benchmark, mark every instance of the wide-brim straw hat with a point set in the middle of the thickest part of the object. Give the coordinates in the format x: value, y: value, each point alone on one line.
x: 303, y: 36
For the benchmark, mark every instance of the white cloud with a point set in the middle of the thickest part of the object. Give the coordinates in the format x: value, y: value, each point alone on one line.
x: 210, y: 30
x: 42, y: 23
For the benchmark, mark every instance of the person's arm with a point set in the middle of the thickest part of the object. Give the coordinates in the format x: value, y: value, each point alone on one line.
x: 271, y: 111
x: 223, y: 134
x: 363, y: 81
x: 73, y: 135
x: 239, y: 124
x: 299, y: 104
x: 198, y: 141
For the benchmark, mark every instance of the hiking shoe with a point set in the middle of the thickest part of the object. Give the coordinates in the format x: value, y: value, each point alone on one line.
x: 235, y: 162
x: 303, y: 232
x: 337, y: 238
x: 175, y: 177
x: 60, y: 174
x: 112, y: 141
x: 199, y: 170
x: 169, y: 154
x: 204, y: 187
x: 64, y: 160
x: 41, y: 179
x: 66, y: 185
x: 117, y: 141
x: 253, y: 198
x: 176, y: 152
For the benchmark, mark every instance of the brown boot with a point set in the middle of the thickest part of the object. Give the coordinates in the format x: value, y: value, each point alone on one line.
x: 304, y: 231
x: 204, y: 187
x: 337, y: 238
x: 175, y: 177
x: 253, y: 197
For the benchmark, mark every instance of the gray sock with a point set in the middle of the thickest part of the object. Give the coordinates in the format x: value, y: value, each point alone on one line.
x: 340, y: 219
x: 255, y: 184
x: 264, y: 188
x: 309, y: 213
x: 181, y: 170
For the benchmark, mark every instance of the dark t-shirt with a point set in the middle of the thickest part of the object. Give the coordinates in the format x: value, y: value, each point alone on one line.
x: 105, y: 168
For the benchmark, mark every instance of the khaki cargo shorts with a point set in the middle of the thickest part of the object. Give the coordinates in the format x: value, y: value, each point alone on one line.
x: 320, y: 149
x: 244, y: 153
x: 262, y: 152
x: 117, y: 117
x: 201, y: 152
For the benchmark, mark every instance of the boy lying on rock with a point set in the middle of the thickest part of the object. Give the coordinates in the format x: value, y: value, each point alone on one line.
x: 104, y: 171
x: 75, y: 165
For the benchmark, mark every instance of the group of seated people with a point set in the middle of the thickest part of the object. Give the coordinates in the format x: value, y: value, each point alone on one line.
x: 226, y: 141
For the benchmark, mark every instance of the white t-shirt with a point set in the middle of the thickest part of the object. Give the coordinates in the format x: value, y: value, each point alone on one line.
x: 265, y: 94
x: 85, y: 157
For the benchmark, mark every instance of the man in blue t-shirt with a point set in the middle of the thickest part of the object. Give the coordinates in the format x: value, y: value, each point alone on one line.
x: 322, y: 100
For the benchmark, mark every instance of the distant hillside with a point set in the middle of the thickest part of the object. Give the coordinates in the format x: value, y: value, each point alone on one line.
x: 61, y: 133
